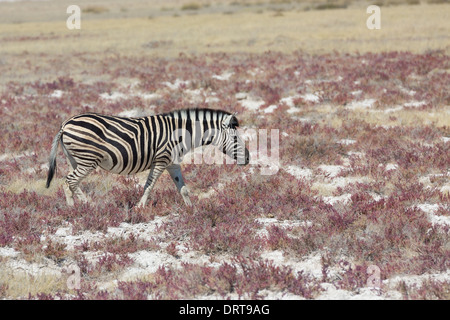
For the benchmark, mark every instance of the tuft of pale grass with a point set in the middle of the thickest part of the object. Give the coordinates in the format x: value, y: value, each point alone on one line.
x: 95, y: 9
x: 403, y: 117
x: 20, y: 284
x: 141, y: 276
x: 36, y: 185
x: 191, y: 6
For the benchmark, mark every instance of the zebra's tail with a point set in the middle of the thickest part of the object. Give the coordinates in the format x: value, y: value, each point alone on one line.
x: 52, y: 160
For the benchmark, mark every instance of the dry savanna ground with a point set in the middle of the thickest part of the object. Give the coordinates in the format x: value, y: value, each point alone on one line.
x: 358, y: 202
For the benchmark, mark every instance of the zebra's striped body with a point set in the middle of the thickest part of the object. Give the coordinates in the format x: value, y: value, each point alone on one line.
x: 131, y: 145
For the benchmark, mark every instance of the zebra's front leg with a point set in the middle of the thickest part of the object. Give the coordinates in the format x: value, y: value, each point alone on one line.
x: 155, y: 172
x: 177, y: 177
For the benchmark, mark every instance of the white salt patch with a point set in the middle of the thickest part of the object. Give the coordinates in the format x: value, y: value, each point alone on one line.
x: 5, y: 156
x: 440, y: 220
x: 212, y: 99
x: 63, y: 232
x: 255, y: 71
x: 113, y: 96
x: 194, y: 92
x: 356, y: 154
x: 340, y: 182
x: 407, y: 91
x: 277, y: 295
x: 332, y: 293
x: 252, y: 104
x: 177, y: 84
x: 391, y: 166
x: 35, y: 269
x: 119, y: 95
x: 417, y: 280
x: 293, y: 110
x: 8, y: 252
x: 376, y: 196
x: 330, y: 170
x: 240, y: 95
x: 289, y: 101
x: 414, y: 104
x: 56, y: 94
x: 146, y: 262
x: 144, y: 231
x: 270, y: 108
x: 65, y: 236
x: 8, y: 156
x: 364, y: 104
x: 310, y: 82
x: 430, y: 210
x: 224, y: 76
x: 310, y: 97
x: 299, y: 173
x: 445, y: 189
x: 347, y: 141
x: 195, y: 95
x: 445, y: 139
x: 343, y: 199
x: 266, y: 221
x: 311, y: 264
x: 147, y: 96
x: 394, y: 109
x: 284, y: 223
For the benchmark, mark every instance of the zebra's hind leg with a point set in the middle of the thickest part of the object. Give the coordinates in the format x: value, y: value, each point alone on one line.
x: 177, y: 177
x: 155, y: 171
x: 71, y: 186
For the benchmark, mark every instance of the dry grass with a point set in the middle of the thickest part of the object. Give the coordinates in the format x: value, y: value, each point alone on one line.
x: 25, y: 39
x: 404, y: 28
x: 405, y: 118
x: 20, y: 284
x: 41, y: 38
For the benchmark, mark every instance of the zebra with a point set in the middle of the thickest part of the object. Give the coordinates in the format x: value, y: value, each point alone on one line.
x: 131, y: 145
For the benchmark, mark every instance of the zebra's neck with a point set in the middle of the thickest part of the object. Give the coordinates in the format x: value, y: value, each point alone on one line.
x: 197, y: 127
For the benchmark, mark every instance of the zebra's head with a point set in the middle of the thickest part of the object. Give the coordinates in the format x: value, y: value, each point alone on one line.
x: 231, y: 143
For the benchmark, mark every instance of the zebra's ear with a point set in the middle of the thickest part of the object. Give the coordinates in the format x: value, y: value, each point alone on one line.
x: 227, y: 120
x: 234, y: 121
x: 231, y: 121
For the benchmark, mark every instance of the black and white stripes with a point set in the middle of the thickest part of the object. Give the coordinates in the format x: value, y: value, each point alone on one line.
x: 131, y: 145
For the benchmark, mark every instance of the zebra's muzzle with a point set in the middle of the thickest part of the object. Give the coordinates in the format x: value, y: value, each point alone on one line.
x: 242, y: 161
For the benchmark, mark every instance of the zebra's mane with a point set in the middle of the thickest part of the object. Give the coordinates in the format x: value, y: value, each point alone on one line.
x: 198, y: 114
